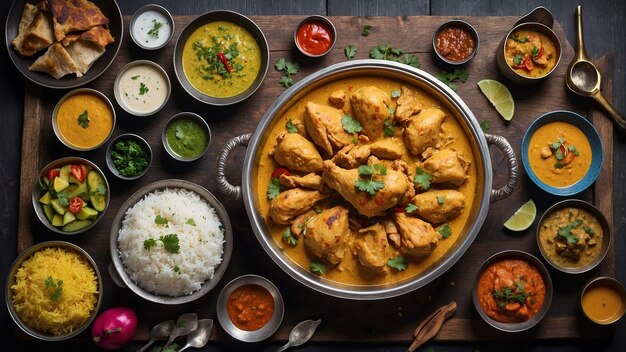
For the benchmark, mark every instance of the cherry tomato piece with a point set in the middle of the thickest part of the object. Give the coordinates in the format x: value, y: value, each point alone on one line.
x: 398, y: 209
x: 75, y: 205
x: 528, y: 63
x: 280, y: 171
x: 568, y: 158
x: 78, y: 172
x: 53, y: 173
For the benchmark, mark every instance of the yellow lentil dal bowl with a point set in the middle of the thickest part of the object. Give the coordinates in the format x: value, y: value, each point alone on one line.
x: 53, y: 290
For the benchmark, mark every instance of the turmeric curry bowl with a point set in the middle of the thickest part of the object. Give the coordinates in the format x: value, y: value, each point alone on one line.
x: 221, y: 58
x: 562, y: 153
x: 53, y: 290
x: 573, y: 236
x: 513, y: 291
x: 528, y: 53
x: 367, y: 179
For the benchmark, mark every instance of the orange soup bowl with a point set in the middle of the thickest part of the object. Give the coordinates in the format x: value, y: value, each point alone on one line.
x: 518, y: 306
x: 562, y: 153
x: 603, y: 300
x: 83, y: 119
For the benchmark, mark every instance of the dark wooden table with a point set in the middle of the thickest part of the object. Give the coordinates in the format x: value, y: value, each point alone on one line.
x: 602, y: 20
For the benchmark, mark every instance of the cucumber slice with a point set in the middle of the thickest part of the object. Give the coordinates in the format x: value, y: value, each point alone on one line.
x: 60, y: 184
x: 56, y: 205
x: 76, y: 225
x: 68, y: 217
x: 86, y: 213
x: 47, y: 208
x: 46, y: 198
x: 64, y: 173
x: 97, y: 190
x: 57, y: 220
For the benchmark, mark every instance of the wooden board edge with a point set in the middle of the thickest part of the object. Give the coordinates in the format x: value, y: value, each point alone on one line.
x: 29, y: 167
x: 603, y: 196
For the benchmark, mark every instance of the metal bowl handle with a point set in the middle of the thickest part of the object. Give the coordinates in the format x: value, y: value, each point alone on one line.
x: 222, y: 183
x: 509, y: 154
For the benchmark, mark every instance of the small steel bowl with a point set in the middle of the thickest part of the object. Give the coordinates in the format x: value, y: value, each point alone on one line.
x: 116, y: 268
x: 197, y: 118
x: 535, y: 319
x: 508, y: 71
x: 592, y: 136
x: 612, y: 284
x: 268, y: 329
x: 606, y: 236
x: 325, y: 22
x: 11, y: 281
x: 123, y: 137
x: 39, y: 191
x: 134, y: 26
x: 55, y: 126
x: 118, y: 94
x: 229, y: 16
x: 464, y: 26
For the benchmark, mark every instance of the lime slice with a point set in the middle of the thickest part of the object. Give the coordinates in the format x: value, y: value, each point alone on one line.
x: 523, y: 217
x: 499, y: 96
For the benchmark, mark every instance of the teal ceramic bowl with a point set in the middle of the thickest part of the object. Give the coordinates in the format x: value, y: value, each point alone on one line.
x: 593, y: 137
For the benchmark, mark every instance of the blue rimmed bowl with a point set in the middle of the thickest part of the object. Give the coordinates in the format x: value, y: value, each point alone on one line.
x: 597, y: 151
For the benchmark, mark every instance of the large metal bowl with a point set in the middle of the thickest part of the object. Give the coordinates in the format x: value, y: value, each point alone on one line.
x: 411, y: 76
x: 116, y: 268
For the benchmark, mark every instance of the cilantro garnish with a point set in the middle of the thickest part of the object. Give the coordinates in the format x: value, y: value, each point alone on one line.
x: 444, y: 230
x: 449, y: 77
x: 318, y: 268
x: 288, y: 237
x: 289, y: 69
x: 366, y: 183
x: 509, y: 295
x: 410, y: 208
x: 143, y: 89
x: 423, y: 179
x: 170, y: 242
x: 274, y: 188
x: 83, y: 119
x: 441, y: 200
x: 219, y: 60
x: 130, y: 158
x: 55, y: 287
x: 149, y: 243
x: 518, y: 59
x: 350, y: 125
x: 386, y: 52
x: 191, y: 222
x: 485, y: 125
x: 566, y: 231
x: 389, y: 128
x: 159, y: 220
x: 291, y: 128
x: 522, y: 40
x: 366, y: 30
x: 396, y: 93
x: 154, y: 31
x: 64, y: 198
x: 398, y: 263
x: 134, y: 78
x: 350, y: 51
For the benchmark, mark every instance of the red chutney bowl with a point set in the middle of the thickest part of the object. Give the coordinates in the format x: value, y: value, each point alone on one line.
x: 315, y: 36
x: 455, y: 42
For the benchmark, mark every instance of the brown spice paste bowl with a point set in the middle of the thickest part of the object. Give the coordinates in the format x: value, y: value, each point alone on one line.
x: 464, y: 26
x: 535, y: 319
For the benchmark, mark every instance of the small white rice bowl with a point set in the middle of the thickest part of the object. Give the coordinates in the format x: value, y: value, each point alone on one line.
x: 201, y: 242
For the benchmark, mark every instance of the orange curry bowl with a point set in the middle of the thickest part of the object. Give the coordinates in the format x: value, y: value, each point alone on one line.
x: 513, y: 291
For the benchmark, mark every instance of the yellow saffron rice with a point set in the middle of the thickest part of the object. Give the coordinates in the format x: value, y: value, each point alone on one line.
x: 36, y: 303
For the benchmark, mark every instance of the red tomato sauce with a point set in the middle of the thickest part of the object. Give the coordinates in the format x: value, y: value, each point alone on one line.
x: 455, y: 43
x: 250, y: 307
x: 315, y: 37
x: 511, y: 290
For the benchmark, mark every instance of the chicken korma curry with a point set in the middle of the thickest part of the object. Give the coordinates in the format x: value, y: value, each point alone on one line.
x: 368, y: 181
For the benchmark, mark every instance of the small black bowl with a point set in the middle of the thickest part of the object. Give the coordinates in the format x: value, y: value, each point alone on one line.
x: 465, y: 26
x: 124, y: 137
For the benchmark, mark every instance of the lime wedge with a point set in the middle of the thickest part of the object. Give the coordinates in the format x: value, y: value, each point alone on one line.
x: 523, y: 217
x: 499, y: 96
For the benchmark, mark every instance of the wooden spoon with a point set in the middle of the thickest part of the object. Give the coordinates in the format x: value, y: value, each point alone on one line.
x: 430, y: 326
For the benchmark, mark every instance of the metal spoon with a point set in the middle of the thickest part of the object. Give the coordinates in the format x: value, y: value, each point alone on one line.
x: 584, y: 79
x: 301, y: 333
x: 185, y: 324
x: 159, y: 331
x: 200, y: 336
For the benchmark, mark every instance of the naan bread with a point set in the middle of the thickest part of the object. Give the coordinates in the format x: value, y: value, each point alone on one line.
x: 84, y: 53
x: 35, y: 31
x: 98, y: 35
x: 75, y: 15
x: 56, y: 62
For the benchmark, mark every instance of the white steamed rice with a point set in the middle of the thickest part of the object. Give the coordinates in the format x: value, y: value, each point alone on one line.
x: 201, y: 247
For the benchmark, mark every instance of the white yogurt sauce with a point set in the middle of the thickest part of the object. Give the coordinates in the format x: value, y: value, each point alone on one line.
x: 152, y: 29
x: 143, y: 89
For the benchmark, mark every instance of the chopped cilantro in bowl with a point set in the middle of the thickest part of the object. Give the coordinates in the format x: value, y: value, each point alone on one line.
x: 129, y: 156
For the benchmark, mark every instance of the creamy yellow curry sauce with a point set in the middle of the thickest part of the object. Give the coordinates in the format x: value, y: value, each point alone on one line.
x: 349, y: 271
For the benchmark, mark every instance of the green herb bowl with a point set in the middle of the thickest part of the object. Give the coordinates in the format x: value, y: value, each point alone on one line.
x: 193, y: 117
x: 11, y: 281
x: 127, y: 137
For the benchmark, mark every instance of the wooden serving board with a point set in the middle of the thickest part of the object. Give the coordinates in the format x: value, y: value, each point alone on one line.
x: 391, y: 320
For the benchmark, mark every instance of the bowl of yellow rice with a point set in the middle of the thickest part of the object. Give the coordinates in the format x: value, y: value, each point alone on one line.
x: 53, y: 290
